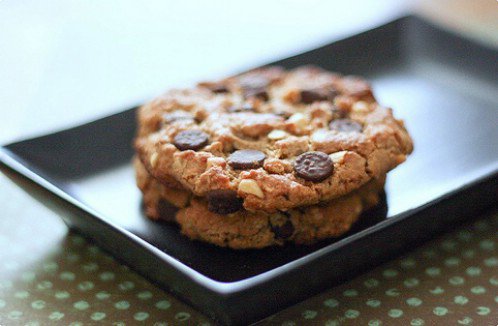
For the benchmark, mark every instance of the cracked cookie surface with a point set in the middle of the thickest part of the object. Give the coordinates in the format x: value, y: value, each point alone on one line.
x: 244, y: 229
x: 271, y: 139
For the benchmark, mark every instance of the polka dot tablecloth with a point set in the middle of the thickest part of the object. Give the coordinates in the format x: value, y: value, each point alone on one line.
x: 49, y: 276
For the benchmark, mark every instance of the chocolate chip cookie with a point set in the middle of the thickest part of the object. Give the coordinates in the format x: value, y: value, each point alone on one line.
x: 269, y: 140
x: 241, y: 229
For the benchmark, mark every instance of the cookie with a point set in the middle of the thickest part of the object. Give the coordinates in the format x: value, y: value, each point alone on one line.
x: 243, y: 229
x: 274, y: 139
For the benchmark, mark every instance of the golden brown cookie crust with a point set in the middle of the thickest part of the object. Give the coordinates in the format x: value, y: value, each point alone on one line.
x: 244, y: 229
x: 281, y: 121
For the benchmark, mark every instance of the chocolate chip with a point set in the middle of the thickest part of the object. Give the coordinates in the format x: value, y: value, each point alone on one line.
x: 313, y: 166
x: 283, y: 231
x: 245, y: 159
x: 258, y: 92
x: 244, y: 108
x: 345, y: 125
x: 191, y: 139
x: 166, y: 210
x: 177, y: 116
x: 223, y: 201
x: 218, y: 88
x: 309, y: 96
x: 215, y: 87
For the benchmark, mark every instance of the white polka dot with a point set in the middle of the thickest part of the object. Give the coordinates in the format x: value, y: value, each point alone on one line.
x: 107, y: 276
x: 14, y: 315
x: 478, y: 289
x: 411, y: 282
x: 141, y: 316
x: 491, y: 262
x: 309, y: 314
x: 351, y: 314
x: 473, y: 271
x: 67, y: 276
x: 414, y: 302
x: 182, y: 316
x: 61, y: 295
x: 440, y: 311
x: 395, y: 313
x: 98, y: 316
x: 50, y: 267
x: 127, y: 285
x: 122, y: 305
x: 44, y: 285
x: 371, y: 283
x: 163, y: 304
x: 56, y: 315
x: 21, y: 294
x: 81, y: 305
x: 90, y: 267
x: 38, y: 304
x: 145, y: 295
x: 85, y: 286
x: 390, y: 273
x: 103, y: 295
x: 350, y: 293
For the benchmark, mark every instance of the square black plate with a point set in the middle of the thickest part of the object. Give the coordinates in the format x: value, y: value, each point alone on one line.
x: 444, y: 86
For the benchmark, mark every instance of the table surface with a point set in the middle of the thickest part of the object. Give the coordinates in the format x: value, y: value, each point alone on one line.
x: 66, y: 62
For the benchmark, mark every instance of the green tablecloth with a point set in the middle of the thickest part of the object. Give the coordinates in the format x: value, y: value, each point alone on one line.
x: 49, y: 276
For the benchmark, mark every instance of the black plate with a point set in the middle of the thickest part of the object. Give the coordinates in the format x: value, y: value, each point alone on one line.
x: 442, y: 85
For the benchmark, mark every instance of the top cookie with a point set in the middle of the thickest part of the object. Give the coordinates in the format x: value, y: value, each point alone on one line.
x: 270, y: 139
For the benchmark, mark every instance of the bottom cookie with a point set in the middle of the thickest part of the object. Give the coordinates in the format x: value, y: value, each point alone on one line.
x: 244, y: 229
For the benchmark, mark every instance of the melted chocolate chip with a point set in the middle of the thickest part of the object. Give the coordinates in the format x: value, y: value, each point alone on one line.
x: 215, y: 87
x: 309, y: 96
x: 223, y: 201
x: 313, y: 166
x: 245, y: 159
x: 218, y: 88
x: 313, y: 95
x: 283, y: 231
x: 166, y: 210
x: 177, y: 116
x: 191, y: 139
x: 345, y: 125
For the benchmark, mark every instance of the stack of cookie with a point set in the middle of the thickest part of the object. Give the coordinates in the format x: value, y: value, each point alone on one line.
x: 266, y: 157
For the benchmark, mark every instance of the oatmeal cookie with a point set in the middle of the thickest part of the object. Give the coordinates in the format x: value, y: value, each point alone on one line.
x: 270, y: 140
x: 243, y: 229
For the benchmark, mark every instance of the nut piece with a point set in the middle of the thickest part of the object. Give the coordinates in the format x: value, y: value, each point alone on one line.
x: 153, y: 159
x: 251, y: 187
x: 361, y: 107
x: 337, y: 156
x: 299, y: 119
x: 216, y: 161
x: 277, y: 134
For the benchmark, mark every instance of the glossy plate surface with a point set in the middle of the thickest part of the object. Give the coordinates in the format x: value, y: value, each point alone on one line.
x: 443, y: 86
